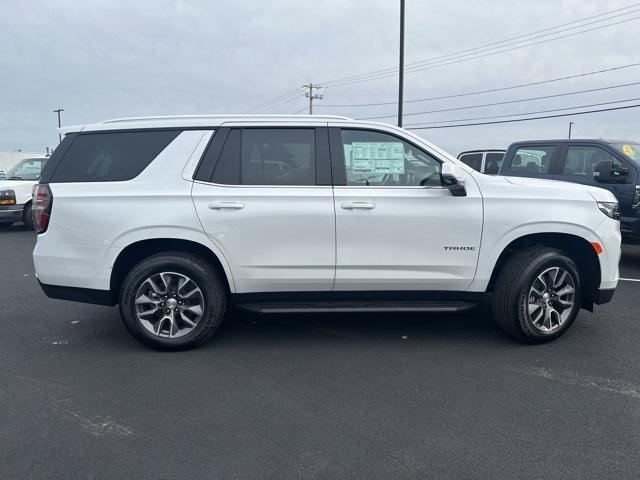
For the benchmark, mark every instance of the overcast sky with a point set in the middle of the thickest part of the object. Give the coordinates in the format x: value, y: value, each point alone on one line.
x: 110, y: 58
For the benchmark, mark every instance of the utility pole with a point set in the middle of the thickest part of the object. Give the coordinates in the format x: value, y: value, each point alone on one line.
x: 312, y: 95
x: 401, y: 70
x: 570, y: 124
x: 58, y: 110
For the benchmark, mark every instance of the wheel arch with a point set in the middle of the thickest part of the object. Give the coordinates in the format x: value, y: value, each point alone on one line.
x: 576, y: 247
x: 139, y: 250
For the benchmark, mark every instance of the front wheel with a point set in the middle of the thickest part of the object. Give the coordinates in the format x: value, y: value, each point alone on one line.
x: 173, y: 301
x: 27, y: 217
x: 537, y: 295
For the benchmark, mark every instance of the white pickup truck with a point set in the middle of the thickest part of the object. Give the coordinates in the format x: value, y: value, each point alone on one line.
x: 176, y: 218
x: 16, y: 187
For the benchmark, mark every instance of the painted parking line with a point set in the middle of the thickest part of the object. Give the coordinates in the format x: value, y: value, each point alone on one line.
x: 630, y: 279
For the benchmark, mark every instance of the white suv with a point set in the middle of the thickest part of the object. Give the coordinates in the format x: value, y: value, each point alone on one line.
x: 177, y: 218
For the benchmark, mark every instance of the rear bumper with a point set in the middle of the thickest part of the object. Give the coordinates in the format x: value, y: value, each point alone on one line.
x: 76, y: 294
x: 12, y: 213
x: 604, y: 295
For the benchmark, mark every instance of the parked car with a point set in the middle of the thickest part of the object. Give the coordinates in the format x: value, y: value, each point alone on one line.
x: 16, y: 192
x: 610, y: 164
x: 485, y: 161
x: 176, y: 218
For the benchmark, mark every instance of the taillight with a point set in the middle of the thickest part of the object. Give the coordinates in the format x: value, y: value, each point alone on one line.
x: 42, y: 201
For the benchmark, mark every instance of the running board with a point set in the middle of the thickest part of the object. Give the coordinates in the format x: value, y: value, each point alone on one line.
x: 352, y: 307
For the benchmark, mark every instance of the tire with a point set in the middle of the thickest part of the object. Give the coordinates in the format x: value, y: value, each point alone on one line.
x: 27, y: 217
x: 166, y: 272
x: 518, y: 306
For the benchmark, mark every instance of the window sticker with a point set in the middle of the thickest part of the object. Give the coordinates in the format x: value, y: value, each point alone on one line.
x: 628, y: 151
x: 375, y: 157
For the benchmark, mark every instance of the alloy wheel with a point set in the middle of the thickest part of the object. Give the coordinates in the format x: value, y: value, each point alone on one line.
x: 169, y: 304
x: 551, y: 299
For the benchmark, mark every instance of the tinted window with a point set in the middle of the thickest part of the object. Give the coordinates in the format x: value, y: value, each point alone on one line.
x: 492, y: 163
x: 474, y: 160
x: 110, y: 157
x: 278, y: 156
x: 534, y: 159
x: 631, y: 150
x: 583, y: 161
x: 378, y: 159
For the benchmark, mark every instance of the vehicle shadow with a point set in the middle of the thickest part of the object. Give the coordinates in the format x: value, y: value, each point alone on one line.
x: 476, y: 325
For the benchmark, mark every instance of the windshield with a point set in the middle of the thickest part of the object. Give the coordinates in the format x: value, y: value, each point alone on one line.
x: 631, y: 150
x: 27, y: 169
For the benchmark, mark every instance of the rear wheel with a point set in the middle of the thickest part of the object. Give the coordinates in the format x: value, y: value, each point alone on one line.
x: 173, y: 301
x: 537, y: 295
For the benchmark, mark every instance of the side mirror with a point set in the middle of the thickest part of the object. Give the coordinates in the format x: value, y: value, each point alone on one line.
x: 453, y: 179
x: 606, y: 173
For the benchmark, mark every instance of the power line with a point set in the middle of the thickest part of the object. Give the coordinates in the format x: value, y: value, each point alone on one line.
x: 506, y: 102
x: 492, y: 90
x: 301, y: 110
x: 487, y: 54
x: 527, y: 113
x: 419, y: 65
x: 280, y: 103
x: 264, y: 105
x: 526, y: 119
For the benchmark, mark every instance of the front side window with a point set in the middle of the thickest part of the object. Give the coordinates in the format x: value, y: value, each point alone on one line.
x: 532, y: 160
x: 474, y: 160
x: 583, y: 161
x: 379, y: 159
x: 28, y: 169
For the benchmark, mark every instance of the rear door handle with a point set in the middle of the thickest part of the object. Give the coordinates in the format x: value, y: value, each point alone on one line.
x: 226, y: 206
x: 358, y: 206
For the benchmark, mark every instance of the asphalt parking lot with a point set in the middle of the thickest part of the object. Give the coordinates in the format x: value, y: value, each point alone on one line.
x: 313, y: 396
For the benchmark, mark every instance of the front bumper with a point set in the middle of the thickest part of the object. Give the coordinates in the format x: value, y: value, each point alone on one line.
x: 11, y: 213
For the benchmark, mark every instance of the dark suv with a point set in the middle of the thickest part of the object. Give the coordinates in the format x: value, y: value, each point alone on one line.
x: 610, y: 164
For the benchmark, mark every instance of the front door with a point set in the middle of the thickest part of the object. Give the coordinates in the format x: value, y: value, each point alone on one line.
x: 397, y: 228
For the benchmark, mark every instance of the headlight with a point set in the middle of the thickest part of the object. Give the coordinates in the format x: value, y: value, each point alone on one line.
x: 7, y: 197
x: 610, y: 209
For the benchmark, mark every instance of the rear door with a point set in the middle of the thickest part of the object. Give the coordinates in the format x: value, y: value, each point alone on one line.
x: 264, y: 196
x: 397, y: 228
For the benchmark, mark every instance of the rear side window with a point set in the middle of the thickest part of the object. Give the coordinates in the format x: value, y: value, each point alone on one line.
x: 474, y: 160
x: 268, y: 156
x: 111, y: 157
x: 532, y: 160
x: 493, y: 162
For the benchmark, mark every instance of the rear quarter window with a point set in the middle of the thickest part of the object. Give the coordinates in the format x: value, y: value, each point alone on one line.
x: 473, y: 160
x: 112, y: 156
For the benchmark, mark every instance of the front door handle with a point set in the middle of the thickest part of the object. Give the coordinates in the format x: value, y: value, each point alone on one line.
x: 358, y: 206
x: 226, y: 206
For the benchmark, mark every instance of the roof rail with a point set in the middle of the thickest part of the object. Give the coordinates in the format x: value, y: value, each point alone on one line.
x: 217, y: 117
